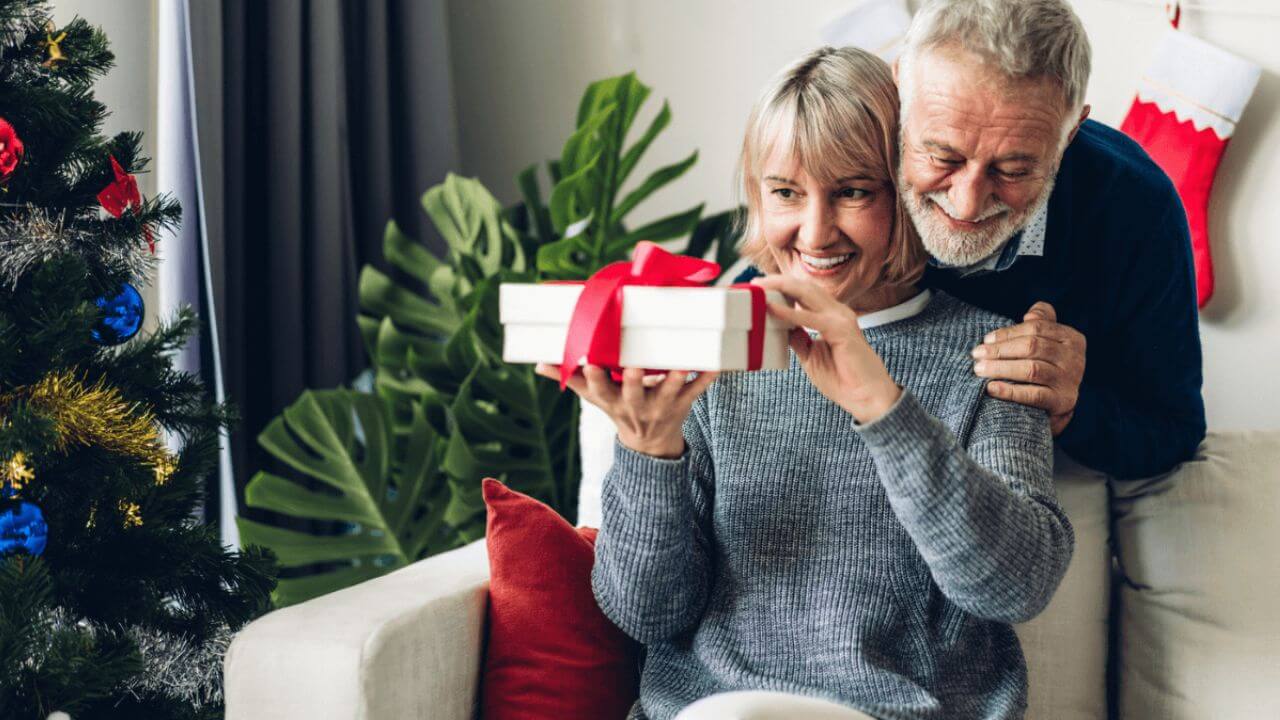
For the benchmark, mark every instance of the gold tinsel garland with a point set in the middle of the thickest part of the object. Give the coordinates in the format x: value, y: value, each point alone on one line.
x: 96, y: 415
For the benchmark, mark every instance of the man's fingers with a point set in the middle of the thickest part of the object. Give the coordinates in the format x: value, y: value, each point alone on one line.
x: 1043, y: 328
x: 1042, y: 310
x: 1038, y: 372
x: 1058, y: 423
x: 1033, y: 395
x: 1026, y: 346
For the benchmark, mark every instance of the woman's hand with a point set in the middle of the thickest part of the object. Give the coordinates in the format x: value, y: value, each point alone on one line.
x: 650, y: 416
x: 839, y: 362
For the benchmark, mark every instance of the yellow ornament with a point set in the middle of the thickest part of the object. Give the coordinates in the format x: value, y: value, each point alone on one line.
x: 132, y: 513
x: 165, y: 469
x: 54, y: 45
x: 15, y: 472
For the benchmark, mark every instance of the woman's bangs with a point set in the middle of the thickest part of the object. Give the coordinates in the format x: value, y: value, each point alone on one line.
x: 831, y: 148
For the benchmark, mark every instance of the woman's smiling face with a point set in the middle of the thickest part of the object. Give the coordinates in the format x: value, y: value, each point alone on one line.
x: 834, y: 233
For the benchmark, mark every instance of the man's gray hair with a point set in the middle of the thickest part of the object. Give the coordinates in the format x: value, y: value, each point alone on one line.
x: 1024, y: 39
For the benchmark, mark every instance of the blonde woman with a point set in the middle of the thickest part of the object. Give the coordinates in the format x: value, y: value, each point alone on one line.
x: 856, y: 534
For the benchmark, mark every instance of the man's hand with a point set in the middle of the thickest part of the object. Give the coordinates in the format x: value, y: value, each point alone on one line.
x: 1038, y: 362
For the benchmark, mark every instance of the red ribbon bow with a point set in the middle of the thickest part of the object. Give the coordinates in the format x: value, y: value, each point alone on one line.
x: 595, y: 330
x: 123, y: 194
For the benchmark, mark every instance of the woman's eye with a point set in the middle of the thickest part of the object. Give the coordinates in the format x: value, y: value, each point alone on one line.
x: 785, y: 193
x: 850, y: 193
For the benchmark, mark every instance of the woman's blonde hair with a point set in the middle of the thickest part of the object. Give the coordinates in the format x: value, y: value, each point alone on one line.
x: 836, y: 111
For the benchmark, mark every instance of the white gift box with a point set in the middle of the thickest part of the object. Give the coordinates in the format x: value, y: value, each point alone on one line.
x: 663, y: 328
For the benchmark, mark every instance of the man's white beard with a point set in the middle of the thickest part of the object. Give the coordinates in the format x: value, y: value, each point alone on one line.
x: 959, y: 248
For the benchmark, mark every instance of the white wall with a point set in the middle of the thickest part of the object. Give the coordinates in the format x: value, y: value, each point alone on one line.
x: 519, y: 68
x: 128, y: 89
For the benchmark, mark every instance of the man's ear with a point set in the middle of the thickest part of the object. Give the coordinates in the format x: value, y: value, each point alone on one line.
x: 1084, y: 115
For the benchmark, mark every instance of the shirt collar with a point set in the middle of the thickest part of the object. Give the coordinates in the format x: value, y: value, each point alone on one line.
x: 901, y: 311
x: 1028, y: 241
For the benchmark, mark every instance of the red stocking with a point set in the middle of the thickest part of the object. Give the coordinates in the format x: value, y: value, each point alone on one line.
x: 1187, y: 106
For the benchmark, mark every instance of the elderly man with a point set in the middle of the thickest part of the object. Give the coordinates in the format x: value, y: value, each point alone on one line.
x: 1035, y: 212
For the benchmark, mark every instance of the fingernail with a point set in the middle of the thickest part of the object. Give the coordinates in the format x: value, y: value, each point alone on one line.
x: 990, y: 338
x: 979, y: 352
x: 979, y: 366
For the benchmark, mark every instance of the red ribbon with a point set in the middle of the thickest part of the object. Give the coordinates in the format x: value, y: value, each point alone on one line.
x: 595, y: 330
x: 122, y: 193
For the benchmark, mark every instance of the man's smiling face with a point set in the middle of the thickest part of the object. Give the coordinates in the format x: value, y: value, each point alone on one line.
x: 979, y: 152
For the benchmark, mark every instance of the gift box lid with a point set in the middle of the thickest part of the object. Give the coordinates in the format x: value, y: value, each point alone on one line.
x: 674, y: 307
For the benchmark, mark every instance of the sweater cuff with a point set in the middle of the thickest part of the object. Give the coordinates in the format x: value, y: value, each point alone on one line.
x: 649, y: 479
x: 868, y: 431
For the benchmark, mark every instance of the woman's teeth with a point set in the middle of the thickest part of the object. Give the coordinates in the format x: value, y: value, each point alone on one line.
x: 825, y: 263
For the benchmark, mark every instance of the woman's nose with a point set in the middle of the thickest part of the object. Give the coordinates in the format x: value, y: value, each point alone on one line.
x: 819, y: 227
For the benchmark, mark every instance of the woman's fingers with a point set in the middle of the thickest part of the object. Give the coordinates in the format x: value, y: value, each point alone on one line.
x: 807, y: 294
x: 551, y: 372
x: 800, y: 342
x: 671, y: 385
x: 692, y: 390
x: 600, y: 387
x: 797, y: 316
x: 576, y: 382
x: 633, y: 386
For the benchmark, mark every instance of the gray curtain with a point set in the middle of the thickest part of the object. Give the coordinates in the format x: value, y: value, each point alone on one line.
x: 319, y: 120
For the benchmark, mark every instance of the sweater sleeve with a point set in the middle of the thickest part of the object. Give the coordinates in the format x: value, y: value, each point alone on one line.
x: 652, y: 572
x: 985, y: 518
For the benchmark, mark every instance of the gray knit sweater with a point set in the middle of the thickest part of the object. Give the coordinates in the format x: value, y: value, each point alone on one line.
x: 879, y: 566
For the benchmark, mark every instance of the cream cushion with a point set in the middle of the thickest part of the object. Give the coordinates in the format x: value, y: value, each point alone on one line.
x: 1201, y: 621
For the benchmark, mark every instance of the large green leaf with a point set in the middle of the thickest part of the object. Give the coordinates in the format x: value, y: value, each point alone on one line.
x: 587, y: 207
x: 386, y: 493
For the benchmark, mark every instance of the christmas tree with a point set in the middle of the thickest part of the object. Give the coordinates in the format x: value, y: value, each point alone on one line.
x: 115, y: 601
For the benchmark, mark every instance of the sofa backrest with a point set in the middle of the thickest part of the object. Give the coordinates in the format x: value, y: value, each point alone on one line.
x: 1199, y: 632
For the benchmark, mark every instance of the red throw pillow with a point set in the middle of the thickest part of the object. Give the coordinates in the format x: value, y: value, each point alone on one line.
x: 551, y: 653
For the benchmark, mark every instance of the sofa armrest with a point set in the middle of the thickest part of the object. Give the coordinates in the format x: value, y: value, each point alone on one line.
x: 405, y: 645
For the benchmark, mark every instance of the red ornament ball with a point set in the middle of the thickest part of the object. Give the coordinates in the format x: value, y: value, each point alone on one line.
x: 10, y: 149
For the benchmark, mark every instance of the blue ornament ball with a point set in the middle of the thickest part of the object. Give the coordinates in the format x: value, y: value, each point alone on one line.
x: 22, y: 527
x: 121, y: 316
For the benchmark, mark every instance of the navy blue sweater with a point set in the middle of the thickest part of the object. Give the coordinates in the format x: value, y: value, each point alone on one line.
x: 1117, y: 267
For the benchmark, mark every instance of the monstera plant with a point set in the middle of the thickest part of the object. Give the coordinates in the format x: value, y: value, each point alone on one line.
x: 367, y: 483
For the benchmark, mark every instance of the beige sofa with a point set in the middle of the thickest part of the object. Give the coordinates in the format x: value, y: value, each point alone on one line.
x: 1195, y: 626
